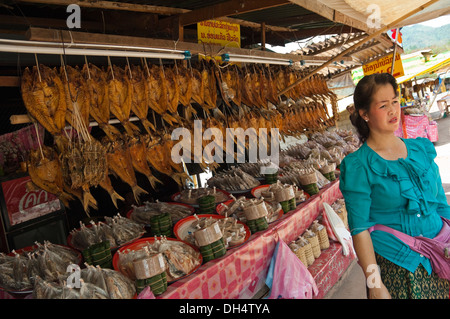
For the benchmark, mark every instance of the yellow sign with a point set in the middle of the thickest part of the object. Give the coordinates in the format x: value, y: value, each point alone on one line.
x: 219, y: 32
x: 384, y: 65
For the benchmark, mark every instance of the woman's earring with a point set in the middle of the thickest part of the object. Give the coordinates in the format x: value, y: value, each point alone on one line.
x: 367, y: 120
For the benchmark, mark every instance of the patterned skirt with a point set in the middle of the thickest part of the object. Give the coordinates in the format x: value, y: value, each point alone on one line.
x: 403, y: 284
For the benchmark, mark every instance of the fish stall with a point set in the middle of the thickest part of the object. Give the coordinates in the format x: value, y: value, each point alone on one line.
x: 136, y: 223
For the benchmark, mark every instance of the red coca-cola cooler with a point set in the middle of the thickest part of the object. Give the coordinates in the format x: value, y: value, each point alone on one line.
x: 29, y: 216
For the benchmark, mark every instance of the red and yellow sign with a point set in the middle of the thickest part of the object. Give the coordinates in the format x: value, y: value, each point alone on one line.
x: 219, y: 32
x: 384, y: 65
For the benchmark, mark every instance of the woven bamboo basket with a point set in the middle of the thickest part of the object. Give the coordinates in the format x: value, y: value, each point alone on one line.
x: 303, y: 242
x: 341, y: 210
x: 314, y: 240
x: 300, y: 253
x: 342, y: 213
x: 321, y: 232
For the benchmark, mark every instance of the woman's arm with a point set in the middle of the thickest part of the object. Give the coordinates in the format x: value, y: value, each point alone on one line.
x: 366, y: 259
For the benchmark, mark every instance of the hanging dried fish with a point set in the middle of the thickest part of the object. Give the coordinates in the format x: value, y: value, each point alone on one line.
x: 138, y: 154
x: 139, y: 97
x: 98, y: 96
x: 158, y: 93
x: 44, y: 99
x: 45, y: 172
x: 77, y: 99
x: 120, y: 164
x: 185, y: 83
x: 120, y: 94
x: 209, y: 80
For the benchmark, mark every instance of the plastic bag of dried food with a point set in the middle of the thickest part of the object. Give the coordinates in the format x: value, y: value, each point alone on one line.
x: 94, y: 275
x: 20, y: 271
x: 69, y: 292
x: 44, y: 289
x: 66, y: 254
x: 91, y: 291
x: 119, y: 286
x: 32, y: 267
x: 124, y: 229
x: 51, y: 265
x: 9, y: 276
x: 103, y: 232
x: 83, y: 237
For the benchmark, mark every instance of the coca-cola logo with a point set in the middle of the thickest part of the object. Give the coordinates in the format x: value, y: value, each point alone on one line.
x: 19, y: 199
x: 33, y: 198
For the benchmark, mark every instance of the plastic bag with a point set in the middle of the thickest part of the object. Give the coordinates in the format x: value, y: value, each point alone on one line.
x: 287, y: 277
x: 339, y: 231
x: 146, y: 294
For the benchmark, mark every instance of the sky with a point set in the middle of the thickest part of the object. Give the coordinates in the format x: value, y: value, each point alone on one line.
x: 289, y: 47
x: 438, y: 22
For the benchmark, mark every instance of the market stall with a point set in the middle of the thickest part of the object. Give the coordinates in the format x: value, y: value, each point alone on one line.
x: 110, y: 105
x: 242, y: 271
x: 418, y: 97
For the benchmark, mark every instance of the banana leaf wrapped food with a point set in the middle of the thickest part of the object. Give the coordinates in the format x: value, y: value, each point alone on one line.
x: 180, y: 258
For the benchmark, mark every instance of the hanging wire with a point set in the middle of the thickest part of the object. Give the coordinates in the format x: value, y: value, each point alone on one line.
x: 37, y: 66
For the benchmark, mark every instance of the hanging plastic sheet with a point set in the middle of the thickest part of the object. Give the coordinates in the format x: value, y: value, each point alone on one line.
x: 288, y: 277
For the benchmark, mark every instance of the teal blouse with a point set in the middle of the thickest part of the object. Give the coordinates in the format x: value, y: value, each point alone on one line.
x: 405, y: 194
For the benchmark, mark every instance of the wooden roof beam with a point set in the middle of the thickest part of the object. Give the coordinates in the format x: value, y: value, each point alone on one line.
x: 223, y: 9
x: 325, y: 11
x: 160, y: 10
x: 300, y: 34
x: 339, y: 44
x: 111, y: 5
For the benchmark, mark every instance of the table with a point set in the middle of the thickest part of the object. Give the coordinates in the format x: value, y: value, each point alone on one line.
x: 241, y: 273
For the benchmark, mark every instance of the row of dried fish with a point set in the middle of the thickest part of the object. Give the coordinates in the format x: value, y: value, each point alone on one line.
x: 293, y: 174
x: 332, y: 146
x: 117, y: 230
x: 55, y: 169
x: 49, y: 261
x: 233, y: 179
x: 94, y: 283
x: 52, y: 97
x: 73, y: 96
x: 144, y: 213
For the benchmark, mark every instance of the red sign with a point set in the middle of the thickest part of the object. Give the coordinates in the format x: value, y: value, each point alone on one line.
x: 23, y: 205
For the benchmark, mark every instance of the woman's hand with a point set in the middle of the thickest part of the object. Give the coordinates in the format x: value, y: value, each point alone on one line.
x: 378, y: 293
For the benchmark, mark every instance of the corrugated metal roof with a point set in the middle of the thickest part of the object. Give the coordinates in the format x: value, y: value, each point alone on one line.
x: 334, y: 45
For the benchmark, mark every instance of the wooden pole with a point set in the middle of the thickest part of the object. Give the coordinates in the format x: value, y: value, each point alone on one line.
x: 369, y: 37
x: 263, y: 36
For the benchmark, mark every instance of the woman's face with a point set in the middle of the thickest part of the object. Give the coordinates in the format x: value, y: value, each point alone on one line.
x: 384, y: 113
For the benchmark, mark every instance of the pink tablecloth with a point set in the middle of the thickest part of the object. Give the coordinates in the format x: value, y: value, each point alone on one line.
x: 242, y: 271
x: 417, y: 126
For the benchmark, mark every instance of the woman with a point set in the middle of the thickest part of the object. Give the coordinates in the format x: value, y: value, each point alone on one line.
x: 393, y: 182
